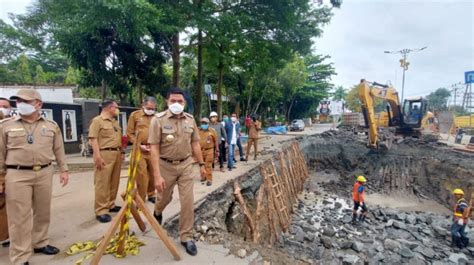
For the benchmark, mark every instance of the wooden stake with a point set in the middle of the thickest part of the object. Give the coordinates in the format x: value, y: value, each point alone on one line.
x: 245, y: 210
x: 158, y: 229
x: 258, y: 211
x: 108, y: 236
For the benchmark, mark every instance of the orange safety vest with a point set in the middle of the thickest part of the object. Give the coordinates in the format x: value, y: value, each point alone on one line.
x: 461, y: 204
x: 356, y: 196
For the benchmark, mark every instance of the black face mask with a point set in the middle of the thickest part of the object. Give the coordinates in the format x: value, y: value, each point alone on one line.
x: 254, y: 119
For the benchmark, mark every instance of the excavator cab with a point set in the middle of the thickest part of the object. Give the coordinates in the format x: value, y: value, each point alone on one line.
x: 414, y: 109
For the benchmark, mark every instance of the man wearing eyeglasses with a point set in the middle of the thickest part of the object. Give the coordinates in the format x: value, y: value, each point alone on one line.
x: 105, y: 137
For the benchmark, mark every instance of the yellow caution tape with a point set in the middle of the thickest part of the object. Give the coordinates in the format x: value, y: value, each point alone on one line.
x: 131, y: 242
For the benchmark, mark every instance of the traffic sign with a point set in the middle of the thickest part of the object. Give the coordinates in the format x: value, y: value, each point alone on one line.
x: 469, y: 77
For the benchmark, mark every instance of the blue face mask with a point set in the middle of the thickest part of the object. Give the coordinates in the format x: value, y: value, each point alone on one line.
x: 226, y: 119
x: 204, y: 126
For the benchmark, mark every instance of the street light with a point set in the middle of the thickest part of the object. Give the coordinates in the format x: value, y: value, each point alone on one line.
x: 404, y: 64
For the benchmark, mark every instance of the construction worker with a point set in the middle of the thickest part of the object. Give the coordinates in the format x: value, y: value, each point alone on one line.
x: 253, y: 128
x: 461, y: 214
x: 105, y: 137
x: 358, y: 196
x: 174, y: 139
x: 139, y: 122
x: 28, y: 145
x: 221, y: 138
x: 209, y: 148
x: 5, y: 110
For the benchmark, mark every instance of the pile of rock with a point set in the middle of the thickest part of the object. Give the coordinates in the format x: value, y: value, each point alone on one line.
x: 322, y: 230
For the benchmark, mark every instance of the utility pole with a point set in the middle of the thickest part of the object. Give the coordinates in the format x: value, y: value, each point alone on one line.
x: 404, y: 64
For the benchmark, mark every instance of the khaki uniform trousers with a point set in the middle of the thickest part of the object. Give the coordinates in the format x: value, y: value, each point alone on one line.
x: 107, y: 181
x: 28, y: 196
x: 3, y: 219
x: 145, y: 180
x: 181, y: 174
x: 250, y: 142
x: 208, y: 157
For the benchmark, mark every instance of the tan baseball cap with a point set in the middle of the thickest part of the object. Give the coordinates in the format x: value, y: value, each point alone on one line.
x: 27, y: 94
x: 206, y: 120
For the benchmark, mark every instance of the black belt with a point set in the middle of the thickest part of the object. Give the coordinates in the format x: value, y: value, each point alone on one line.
x: 208, y: 148
x: 34, y: 168
x: 111, y: 149
x: 174, y: 162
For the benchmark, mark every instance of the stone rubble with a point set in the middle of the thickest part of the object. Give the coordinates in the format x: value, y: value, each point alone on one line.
x: 387, y: 236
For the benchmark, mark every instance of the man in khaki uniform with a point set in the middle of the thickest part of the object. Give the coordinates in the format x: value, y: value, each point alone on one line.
x: 28, y: 145
x: 139, y: 121
x: 209, y: 147
x: 5, y: 110
x: 254, y: 127
x: 174, y: 139
x: 105, y: 136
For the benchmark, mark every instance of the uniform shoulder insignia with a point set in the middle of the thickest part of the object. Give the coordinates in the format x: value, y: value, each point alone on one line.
x: 212, y: 130
x: 161, y: 114
x: 51, y: 121
x: 6, y: 119
x: 188, y: 115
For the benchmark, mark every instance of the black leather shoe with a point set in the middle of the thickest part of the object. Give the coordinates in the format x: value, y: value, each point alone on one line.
x: 105, y: 218
x: 47, y: 250
x: 6, y: 244
x: 243, y: 159
x: 152, y: 200
x: 26, y: 263
x: 158, y: 217
x: 116, y: 209
x: 190, y: 247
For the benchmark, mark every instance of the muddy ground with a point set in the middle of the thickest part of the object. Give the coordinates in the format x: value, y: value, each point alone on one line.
x: 409, y: 191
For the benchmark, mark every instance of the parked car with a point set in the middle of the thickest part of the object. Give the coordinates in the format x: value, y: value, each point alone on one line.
x: 297, y: 125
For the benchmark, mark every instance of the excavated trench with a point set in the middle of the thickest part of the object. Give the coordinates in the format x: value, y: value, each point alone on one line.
x: 412, y: 170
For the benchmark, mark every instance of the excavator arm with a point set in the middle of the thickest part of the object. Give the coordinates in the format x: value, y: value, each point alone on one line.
x: 367, y: 94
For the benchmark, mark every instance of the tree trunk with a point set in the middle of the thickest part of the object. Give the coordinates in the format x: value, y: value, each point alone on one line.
x: 103, y: 90
x: 289, y: 110
x: 220, y: 68
x: 175, y: 54
x: 140, y: 92
x: 198, y: 90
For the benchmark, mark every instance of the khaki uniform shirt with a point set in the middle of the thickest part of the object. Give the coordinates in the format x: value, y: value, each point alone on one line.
x: 107, y: 132
x: 16, y: 151
x: 174, y: 134
x: 254, y: 127
x: 139, y: 122
x: 208, y: 138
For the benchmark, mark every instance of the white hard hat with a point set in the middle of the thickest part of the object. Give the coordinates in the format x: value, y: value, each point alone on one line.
x: 213, y: 114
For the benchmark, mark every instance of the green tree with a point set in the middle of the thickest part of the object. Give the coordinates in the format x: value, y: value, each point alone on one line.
x: 438, y: 99
x: 40, y: 76
x: 72, y: 76
x: 23, y: 71
x: 340, y: 93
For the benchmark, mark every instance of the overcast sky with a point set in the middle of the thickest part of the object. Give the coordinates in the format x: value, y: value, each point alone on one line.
x: 362, y: 30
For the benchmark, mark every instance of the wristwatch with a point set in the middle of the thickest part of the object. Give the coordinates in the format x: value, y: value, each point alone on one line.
x: 202, y: 164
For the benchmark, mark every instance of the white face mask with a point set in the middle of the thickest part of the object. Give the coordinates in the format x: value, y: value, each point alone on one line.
x: 234, y: 119
x: 176, y: 108
x: 25, y: 108
x: 148, y: 112
x: 5, y: 111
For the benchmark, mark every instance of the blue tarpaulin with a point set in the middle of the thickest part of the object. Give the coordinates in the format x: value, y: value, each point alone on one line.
x: 276, y: 130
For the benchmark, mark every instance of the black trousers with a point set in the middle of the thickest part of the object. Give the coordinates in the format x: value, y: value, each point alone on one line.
x: 222, y: 154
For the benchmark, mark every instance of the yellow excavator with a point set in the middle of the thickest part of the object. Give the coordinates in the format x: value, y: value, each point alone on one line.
x: 407, y: 120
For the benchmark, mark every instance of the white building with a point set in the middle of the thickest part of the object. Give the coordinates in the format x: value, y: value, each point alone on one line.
x: 49, y: 93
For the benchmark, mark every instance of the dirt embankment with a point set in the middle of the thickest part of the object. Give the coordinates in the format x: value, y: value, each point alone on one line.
x: 417, y: 171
